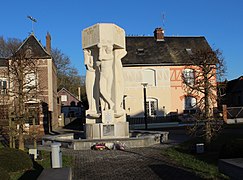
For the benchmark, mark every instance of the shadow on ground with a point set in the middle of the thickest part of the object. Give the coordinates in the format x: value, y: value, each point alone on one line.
x: 168, y: 172
x: 34, y: 173
x: 76, y: 124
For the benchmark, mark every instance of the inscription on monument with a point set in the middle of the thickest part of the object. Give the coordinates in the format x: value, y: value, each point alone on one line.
x: 108, y: 116
x: 108, y: 130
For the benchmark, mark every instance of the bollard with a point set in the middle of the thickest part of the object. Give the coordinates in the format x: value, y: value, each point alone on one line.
x: 56, y: 155
x: 200, y: 148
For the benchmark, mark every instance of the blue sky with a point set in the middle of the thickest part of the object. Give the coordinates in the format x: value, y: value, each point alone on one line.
x: 220, y: 21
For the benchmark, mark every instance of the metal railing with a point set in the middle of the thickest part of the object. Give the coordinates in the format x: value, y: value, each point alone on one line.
x: 234, y: 112
x: 151, y: 120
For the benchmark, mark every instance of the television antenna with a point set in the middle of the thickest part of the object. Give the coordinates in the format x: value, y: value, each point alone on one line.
x: 33, y: 20
x: 163, y: 20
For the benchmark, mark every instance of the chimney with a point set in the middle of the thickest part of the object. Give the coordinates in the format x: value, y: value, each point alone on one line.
x: 48, y: 42
x: 159, y: 34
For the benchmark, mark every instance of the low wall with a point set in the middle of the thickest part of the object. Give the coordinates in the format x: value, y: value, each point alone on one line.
x: 138, y: 139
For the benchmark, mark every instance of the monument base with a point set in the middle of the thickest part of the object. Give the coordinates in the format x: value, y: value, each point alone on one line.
x: 107, y: 131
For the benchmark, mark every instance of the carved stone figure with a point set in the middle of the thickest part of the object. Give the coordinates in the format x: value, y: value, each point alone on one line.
x: 119, y: 81
x: 104, y: 47
x: 106, y: 59
x: 91, y: 87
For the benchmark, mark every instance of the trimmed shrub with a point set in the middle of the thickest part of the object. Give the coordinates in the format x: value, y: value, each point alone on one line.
x: 13, y: 160
x: 4, y: 174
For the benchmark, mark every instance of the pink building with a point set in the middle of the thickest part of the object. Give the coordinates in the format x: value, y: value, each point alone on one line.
x: 157, y: 63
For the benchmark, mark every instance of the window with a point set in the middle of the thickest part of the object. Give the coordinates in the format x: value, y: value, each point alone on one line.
x: 188, y: 75
x: 31, y: 80
x: 149, y: 77
x: 33, y: 114
x: 190, y: 102
x: 151, y: 107
x: 63, y: 98
x: 140, y: 51
x: 189, y: 51
x: 3, y: 86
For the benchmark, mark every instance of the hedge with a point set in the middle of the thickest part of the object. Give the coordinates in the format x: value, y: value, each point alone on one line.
x: 13, y: 160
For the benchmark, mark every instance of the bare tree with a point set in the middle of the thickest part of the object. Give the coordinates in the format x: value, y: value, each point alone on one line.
x: 200, y: 83
x: 23, y: 88
x: 67, y: 76
x: 22, y: 73
x: 8, y: 46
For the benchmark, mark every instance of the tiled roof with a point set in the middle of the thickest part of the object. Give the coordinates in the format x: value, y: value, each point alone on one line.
x: 145, y: 50
x: 3, y: 62
x: 235, y: 85
x: 37, y: 49
x: 65, y: 91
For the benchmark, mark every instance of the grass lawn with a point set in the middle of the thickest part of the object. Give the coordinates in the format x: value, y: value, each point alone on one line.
x: 194, y: 163
x: 1, y: 145
x: 39, y: 165
x: 205, y: 165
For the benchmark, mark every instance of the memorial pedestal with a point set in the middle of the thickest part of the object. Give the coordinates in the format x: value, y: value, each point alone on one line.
x: 104, y: 47
x: 107, y: 131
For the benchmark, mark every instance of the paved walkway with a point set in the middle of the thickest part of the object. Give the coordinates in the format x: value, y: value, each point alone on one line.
x: 137, y: 163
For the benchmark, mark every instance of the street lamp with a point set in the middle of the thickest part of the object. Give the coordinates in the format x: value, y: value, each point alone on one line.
x: 145, y: 107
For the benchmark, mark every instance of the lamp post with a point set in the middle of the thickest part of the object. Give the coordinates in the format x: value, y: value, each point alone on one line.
x: 145, y: 107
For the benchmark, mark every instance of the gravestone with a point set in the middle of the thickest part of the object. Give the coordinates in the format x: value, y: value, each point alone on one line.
x: 104, y: 47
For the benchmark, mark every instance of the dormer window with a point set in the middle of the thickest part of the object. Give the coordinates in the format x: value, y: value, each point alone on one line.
x: 189, y: 51
x: 140, y: 51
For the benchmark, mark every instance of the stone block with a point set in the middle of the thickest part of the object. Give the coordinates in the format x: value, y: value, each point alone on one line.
x: 107, y: 131
x: 122, y: 129
x: 92, y: 131
x: 104, y: 33
x: 232, y: 168
x: 108, y: 116
x: 56, y: 174
x: 33, y: 152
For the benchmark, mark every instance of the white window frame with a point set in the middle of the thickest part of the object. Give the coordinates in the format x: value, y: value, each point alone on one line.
x: 31, y: 79
x: 2, y: 89
x: 189, y: 76
x: 190, y: 102
x: 64, y: 98
x: 151, y: 107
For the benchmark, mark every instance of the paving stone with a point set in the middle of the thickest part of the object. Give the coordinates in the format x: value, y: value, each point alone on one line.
x: 137, y: 163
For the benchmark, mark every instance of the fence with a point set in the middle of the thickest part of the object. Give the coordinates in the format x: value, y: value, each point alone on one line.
x: 151, y: 120
x: 234, y: 112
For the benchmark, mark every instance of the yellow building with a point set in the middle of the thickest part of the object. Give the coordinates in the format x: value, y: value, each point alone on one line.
x: 154, y: 65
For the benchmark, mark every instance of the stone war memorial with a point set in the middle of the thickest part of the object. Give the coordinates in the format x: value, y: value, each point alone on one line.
x: 104, y: 46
